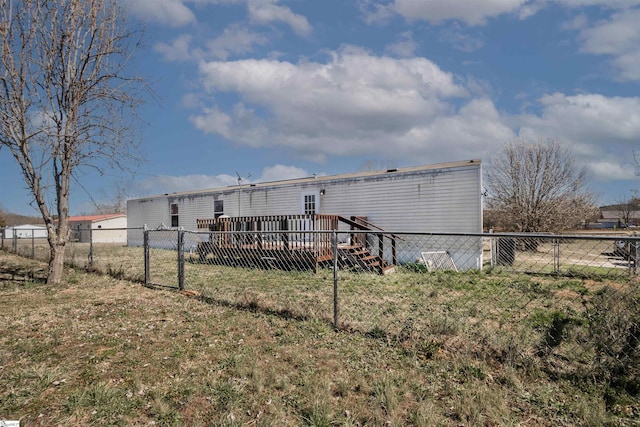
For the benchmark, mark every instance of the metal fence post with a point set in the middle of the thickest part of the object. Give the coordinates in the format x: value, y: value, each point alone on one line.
x: 556, y: 256
x: 145, y: 233
x: 335, y: 279
x: 633, y: 256
x: 493, y: 247
x: 33, y: 243
x: 181, y: 258
x: 90, y: 246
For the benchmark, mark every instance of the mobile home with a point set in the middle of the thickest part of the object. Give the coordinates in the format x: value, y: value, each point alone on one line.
x: 433, y: 198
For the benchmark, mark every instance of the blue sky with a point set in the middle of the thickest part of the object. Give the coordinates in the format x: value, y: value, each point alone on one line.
x: 277, y: 89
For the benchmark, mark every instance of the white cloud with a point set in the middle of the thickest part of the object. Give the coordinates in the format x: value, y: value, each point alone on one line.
x: 177, y: 50
x: 162, y: 184
x: 236, y: 39
x: 167, y: 12
x: 600, y: 130
x: 472, y: 12
x: 267, y: 11
x: 374, y: 12
x: 578, y: 22
x: 611, y: 170
x: 457, y: 38
x: 355, y: 104
x: 610, y: 4
x: 589, y: 117
x: 615, y: 35
x: 619, y: 37
x: 282, y: 172
x: 405, y: 47
x: 213, y: 120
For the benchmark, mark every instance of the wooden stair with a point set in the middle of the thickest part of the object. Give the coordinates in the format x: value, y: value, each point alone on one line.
x: 358, y: 258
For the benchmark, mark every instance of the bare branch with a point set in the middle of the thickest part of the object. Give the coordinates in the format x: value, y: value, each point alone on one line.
x: 536, y: 186
x: 66, y: 102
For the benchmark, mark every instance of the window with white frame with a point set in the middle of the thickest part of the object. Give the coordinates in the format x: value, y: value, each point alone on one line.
x: 174, y: 215
x: 218, y: 208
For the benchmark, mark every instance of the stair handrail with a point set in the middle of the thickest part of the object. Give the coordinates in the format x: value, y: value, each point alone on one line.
x: 368, y: 227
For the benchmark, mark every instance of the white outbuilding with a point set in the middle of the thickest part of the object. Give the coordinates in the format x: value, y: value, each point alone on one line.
x: 26, y: 231
x: 108, y: 228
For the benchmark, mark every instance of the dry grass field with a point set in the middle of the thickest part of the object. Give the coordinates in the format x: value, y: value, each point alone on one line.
x: 258, y: 348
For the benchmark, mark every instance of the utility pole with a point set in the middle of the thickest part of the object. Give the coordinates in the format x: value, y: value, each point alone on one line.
x: 240, y: 189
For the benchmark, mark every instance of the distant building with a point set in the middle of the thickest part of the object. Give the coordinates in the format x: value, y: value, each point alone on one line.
x: 26, y: 231
x: 618, y: 216
x: 108, y: 228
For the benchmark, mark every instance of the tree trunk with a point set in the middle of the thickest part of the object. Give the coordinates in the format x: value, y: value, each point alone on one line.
x: 58, y: 237
x: 56, y: 263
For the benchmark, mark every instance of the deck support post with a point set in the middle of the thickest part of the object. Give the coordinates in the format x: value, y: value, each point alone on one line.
x: 394, y: 251
x: 285, y: 236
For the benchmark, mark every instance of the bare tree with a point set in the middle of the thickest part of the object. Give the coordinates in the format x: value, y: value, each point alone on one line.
x: 66, y: 103
x: 626, y: 209
x: 536, y: 187
x: 114, y: 198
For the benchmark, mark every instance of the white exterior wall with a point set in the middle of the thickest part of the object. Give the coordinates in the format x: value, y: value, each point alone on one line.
x: 152, y: 212
x: 112, y: 230
x: 431, y: 199
x: 442, y: 200
x: 26, y: 232
x: 100, y: 230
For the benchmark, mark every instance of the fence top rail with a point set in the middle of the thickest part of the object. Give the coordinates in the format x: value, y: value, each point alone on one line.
x: 562, y: 236
x: 543, y: 236
x: 107, y: 229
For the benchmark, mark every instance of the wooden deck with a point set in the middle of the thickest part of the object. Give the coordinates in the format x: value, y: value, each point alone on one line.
x: 290, y: 242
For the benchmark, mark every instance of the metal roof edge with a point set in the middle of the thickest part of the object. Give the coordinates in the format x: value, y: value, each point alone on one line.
x: 325, y: 178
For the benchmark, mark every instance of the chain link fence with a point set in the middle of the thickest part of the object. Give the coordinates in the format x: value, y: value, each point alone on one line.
x: 102, y: 250
x: 180, y: 259
x: 565, y: 305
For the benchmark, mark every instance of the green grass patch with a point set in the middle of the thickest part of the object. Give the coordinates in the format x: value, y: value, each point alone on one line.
x: 250, y: 347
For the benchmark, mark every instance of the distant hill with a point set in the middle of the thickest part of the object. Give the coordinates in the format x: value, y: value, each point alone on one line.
x: 11, y: 219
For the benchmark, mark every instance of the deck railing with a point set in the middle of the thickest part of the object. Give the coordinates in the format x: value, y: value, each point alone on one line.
x: 275, y: 232
x: 287, y: 232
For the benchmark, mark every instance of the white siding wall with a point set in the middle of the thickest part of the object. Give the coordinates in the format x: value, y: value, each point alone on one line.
x: 151, y: 211
x: 439, y: 200
x: 112, y: 230
x: 446, y: 200
x: 428, y: 200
